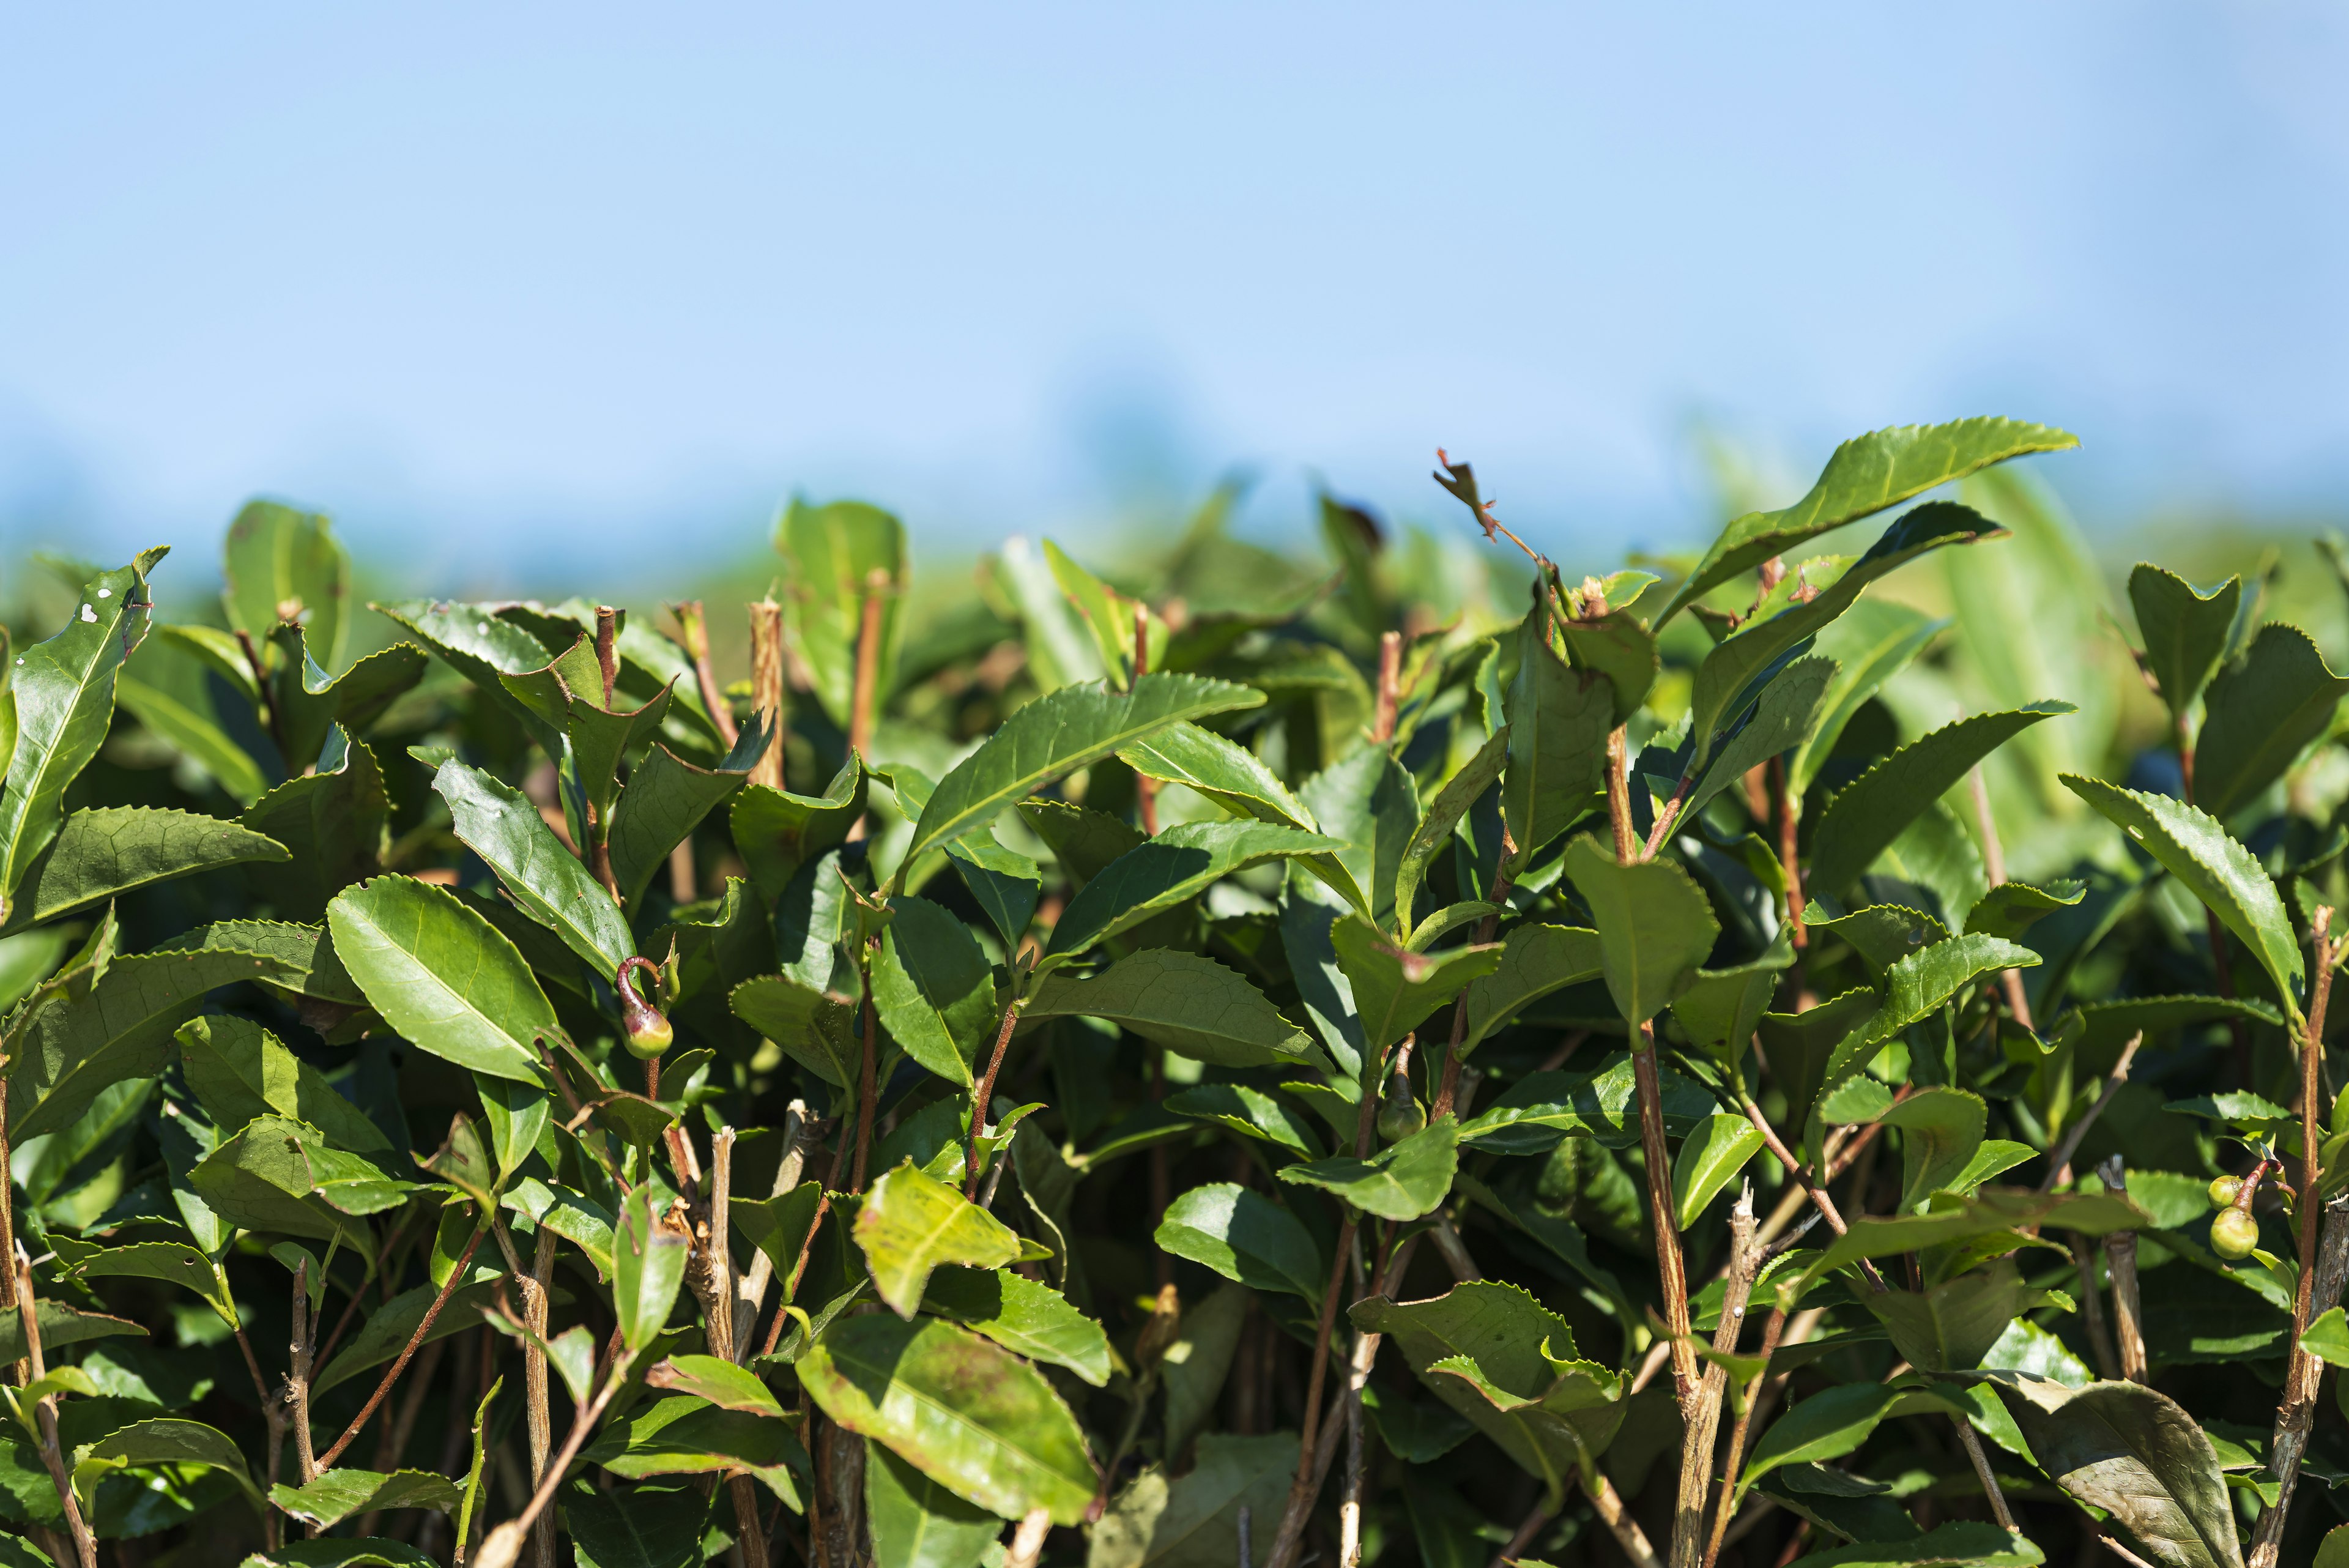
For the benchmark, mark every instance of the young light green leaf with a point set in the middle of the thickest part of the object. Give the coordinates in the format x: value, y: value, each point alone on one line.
x: 935, y: 989
x: 336, y: 1495
x: 545, y: 880
x: 1709, y: 1160
x: 910, y: 1223
x: 964, y: 1412
x: 2264, y: 710
x: 108, y: 850
x: 1401, y: 1182
x: 443, y: 977
x: 914, y: 1522
x: 1243, y: 1236
x: 648, y: 1257
x: 1396, y: 990
x: 2191, y: 845
x: 1654, y: 925
x: 1861, y: 822
x: 1057, y: 734
x: 1021, y: 1315
x: 1223, y: 771
x: 718, y: 1381
x: 64, y: 694
x: 1867, y: 474
x: 2012, y: 909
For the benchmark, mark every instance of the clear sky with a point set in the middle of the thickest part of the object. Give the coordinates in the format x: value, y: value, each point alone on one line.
x: 481, y: 278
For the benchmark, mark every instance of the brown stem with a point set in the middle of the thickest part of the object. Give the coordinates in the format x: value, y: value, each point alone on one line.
x: 1389, y: 688
x: 431, y: 1313
x: 297, y: 1386
x: 538, y: 1400
x: 52, y: 1455
x: 1524, y: 1537
x: 1618, y: 796
x: 1028, y: 1541
x: 1818, y: 1190
x: 766, y: 695
x: 864, y: 1086
x: 2059, y: 1159
x: 1789, y: 839
x: 1991, y: 1489
x: 502, y: 1546
x: 691, y: 623
x: 982, y: 1096
x: 2303, y: 1380
x: 2120, y: 1265
x: 868, y: 663
x: 1703, y: 1420
x: 1723, y: 1505
x: 1670, y: 1269
x: 1994, y: 864
x: 391, y: 1448
x: 607, y: 650
x: 753, y: 1292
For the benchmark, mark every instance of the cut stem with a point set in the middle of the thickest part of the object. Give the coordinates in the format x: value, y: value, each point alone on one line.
x: 2120, y: 1265
x: 691, y: 623
x: 1703, y: 1421
x: 52, y: 1454
x: 767, y: 696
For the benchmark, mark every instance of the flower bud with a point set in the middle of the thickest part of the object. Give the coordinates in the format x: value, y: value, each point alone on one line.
x: 2234, y: 1233
x: 2223, y: 1189
x: 1400, y: 1115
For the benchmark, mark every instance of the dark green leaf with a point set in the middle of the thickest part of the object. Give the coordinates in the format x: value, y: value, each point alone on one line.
x: 1784, y: 712
x: 1193, y: 1521
x: 1401, y: 1182
x: 1021, y: 1315
x: 544, y: 879
x: 1224, y: 772
x: 1558, y: 721
x: 1536, y: 960
x: 238, y: 1071
x: 99, y: 852
x: 1368, y: 801
x: 1243, y: 1236
x: 811, y: 1026
x: 935, y: 989
x: 777, y: 832
x: 442, y: 977
x: 1436, y: 830
x: 1251, y: 1113
x: 1871, y: 642
x: 2185, y: 630
x: 1654, y: 925
x: 1396, y: 989
x: 914, y: 1522
x: 1941, y: 1129
x: 666, y: 800
x: 1950, y: 1327
x: 1172, y: 868
x: 2262, y: 712
x: 1603, y: 1105
x: 333, y: 820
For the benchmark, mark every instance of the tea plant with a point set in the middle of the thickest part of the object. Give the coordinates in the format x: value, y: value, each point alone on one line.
x: 1430, y: 1058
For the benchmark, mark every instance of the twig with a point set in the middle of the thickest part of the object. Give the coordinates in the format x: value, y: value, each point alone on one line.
x: 297, y: 1386
x: 1703, y: 1422
x: 982, y: 1096
x: 1028, y: 1541
x: 1789, y: 846
x: 1389, y: 688
x: 52, y: 1455
x: 767, y: 688
x: 504, y: 1545
x: 1725, y: 1501
x: 2059, y: 1159
x: 1997, y: 1498
x: 868, y: 663
x: 1447, y: 1090
x: 431, y: 1313
x: 696, y: 631
x: 2120, y: 1266
x: 2091, y: 1310
x: 751, y: 1295
x: 1818, y: 1192
x: 1524, y: 1537
x: 533, y: 1373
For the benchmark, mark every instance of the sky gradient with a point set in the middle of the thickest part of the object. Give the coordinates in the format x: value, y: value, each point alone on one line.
x: 484, y: 281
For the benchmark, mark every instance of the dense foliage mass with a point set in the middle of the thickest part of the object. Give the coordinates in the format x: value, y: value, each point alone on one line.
x: 1420, y: 1057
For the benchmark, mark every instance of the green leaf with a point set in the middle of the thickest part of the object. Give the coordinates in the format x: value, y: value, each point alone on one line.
x: 166, y: 1440
x: 1950, y: 1327
x: 935, y: 989
x: 1827, y: 1425
x: 482, y: 647
x: 1654, y: 925
x: 970, y: 1416
x: 1952, y: 1218
x: 832, y: 552
x: 1603, y: 1105
x: 1186, y: 1003
x: 332, y: 820
x: 1618, y: 646
x: 2185, y: 630
x: 649, y: 1258
x: 2012, y: 909
x: 2190, y: 844
x: 1721, y: 1009
x: 587, y: 1224
x: 811, y: 1027
x: 386, y: 1332
x: 1962, y: 1543
x: 718, y: 1381
x: 639, y: 1527
x: 1223, y: 771
x: 267, y: 1178
x: 914, y: 1522
x: 545, y: 880
x: 1005, y: 883
x: 2264, y: 710
x: 666, y: 800
x: 64, y: 694
x: 1941, y: 1129
x: 1861, y: 822
x: 1434, y: 833
x: 1396, y: 990
x: 777, y: 832
x: 62, y: 1324
x: 1497, y: 1357
x: 1401, y: 1182
x: 1023, y: 1317
x: 1558, y: 721
x: 1243, y: 1236
x: 119, y: 1029
x: 373, y: 1551
x: 1725, y: 680
x: 1708, y: 1161
x: 1884, y: 934
x: 1783, y: 714
x: 1057, y: 734
x: 443, y: 977
x: 109, y: 850
x: 1174, y: 867
x: 311, y: 702
x: 1368, y: 801
x: 1536, y: 960
x: 169, y: 1261
x: 1870, y: 643
x: 910, y: 1223
x: 2328, y: 1339
x: 238, y: 1071
x: 1199, y: 1361
x: 336, y: 1495
x: 280, y: 564
x: 684, y: 1435
x: 1867, y: 474
x: 1193, y: 1521
x: 2134, y: 1453
x: 1249, y: 1111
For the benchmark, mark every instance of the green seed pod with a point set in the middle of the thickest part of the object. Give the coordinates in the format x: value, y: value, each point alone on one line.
x: 2234, y: 1233
x: 1400, y: 1115
x: 648, y: 1033
x: 2223, y: 1189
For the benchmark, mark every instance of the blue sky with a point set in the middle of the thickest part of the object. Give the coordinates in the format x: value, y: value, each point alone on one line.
x: 479, y: 280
